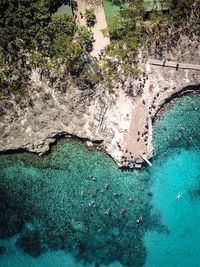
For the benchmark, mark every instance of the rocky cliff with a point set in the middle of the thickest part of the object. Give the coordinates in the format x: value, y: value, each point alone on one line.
x: 120, y: 122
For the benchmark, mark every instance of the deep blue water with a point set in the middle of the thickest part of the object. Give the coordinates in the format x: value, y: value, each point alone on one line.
x: 53, y: 212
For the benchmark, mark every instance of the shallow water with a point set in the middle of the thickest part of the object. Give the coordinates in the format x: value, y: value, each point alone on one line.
x: 177, y: 173
x: 56, y: 203
x: 53, y: 212
x: 176, y: 169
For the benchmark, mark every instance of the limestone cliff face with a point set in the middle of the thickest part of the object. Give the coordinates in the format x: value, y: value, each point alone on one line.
x: 115, y: 119
x: 51, y: 112
x: 47, y: 113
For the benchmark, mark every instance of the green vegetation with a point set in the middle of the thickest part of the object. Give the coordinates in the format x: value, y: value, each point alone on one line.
x: 33, y: 36
x: 111, y: 10
x: 136, y: 25
x: 86, y: 38
x: 139, y: 24
x: 90, y: 17
x: 126, y: 36
x: 155, y: 5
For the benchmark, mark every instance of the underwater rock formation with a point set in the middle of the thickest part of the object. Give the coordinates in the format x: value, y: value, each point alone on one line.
x: 2, y: 249
x: 63, y: 208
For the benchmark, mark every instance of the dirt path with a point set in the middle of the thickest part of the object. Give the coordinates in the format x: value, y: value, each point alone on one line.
x: 100, y: 40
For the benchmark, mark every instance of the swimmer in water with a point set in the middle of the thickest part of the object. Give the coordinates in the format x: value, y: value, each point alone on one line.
x: 178, y: 196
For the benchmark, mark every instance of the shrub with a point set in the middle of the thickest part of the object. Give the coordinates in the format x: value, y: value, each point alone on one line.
x: 90, y: 17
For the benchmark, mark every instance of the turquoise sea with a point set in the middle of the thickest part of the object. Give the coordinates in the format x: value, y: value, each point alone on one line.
x: 75, y: 208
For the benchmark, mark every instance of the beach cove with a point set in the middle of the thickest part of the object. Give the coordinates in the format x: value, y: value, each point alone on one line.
x: 100, y: 140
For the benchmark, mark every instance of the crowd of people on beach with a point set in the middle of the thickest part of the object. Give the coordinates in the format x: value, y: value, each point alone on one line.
x: 127, y: 160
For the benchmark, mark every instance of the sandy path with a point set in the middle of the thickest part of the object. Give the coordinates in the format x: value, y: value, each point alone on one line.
x: 100, y: 40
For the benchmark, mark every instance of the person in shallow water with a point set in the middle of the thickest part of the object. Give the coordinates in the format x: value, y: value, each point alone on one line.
x: 139, y: 221
x: 178, y: 196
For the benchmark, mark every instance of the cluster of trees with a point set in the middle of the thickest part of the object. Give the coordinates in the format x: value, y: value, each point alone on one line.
x: 134, y: 16
x: 32, y: 35
x: 137, y: 26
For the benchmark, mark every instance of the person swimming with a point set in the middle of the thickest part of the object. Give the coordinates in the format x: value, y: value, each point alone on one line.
x: 178, y: 196
x: 139, y: 221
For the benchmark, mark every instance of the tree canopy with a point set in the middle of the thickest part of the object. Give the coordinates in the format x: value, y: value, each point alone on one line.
x: 32, y: 35
x: 138, y: 21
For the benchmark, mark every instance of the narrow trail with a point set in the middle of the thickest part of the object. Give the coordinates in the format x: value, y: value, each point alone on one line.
x: 100, y: 40
x: 174, y: 64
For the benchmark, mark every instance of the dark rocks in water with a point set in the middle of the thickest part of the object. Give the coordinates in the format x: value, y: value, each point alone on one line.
x: 55, y: 220
x: 10, y: 221
x: 3, y: 249
x: 32, y: 243
x: 194, y: 193
x: 55, y: 243
x: 149, y: 193
x: 10, y: 226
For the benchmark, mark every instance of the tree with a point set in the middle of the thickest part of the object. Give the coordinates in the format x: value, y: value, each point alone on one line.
x: 62, y: 25
x: 90, y: 17
x: 85, y: 37
x: 118, y: 2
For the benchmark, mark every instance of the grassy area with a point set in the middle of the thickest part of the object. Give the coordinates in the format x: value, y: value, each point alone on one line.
x: 110, y: 10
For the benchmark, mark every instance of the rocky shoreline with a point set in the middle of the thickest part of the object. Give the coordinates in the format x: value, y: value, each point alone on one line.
x: 117, y: 145
x: 118, y: 122
x: 160, y: 84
